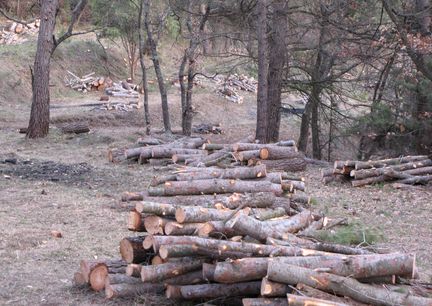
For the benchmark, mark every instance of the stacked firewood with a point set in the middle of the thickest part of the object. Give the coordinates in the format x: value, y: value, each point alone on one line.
x: 229, y: 86
x: 197, y: 152
x: 14, y: 34
x: 407, y: 170
x: 259, y: 246
x: 87, y: 82
x: 124, y: 89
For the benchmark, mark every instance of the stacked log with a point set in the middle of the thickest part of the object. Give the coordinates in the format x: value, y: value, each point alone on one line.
x: 86, y: 83
x: 256, y: 245
x: 407, y: 170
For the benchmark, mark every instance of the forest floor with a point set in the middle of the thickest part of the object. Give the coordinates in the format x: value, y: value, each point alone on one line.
x: 65, y: 183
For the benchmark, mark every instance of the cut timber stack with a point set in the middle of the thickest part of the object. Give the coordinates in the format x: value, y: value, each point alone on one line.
x: 199, y: 241
x: 86, y: 83
x: 408, y: 170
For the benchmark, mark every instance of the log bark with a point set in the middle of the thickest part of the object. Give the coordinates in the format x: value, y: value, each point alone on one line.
x: 290, y: 165
x: 198, y: 214
x: 292, y: 186
x: 191, y: 278
x: 387, y: 162
x: 315, y: 293
x: 256, y: 146
x: 357, y: 266
x: 258, y: 250
x: 155, y: 225
x: 159, y: 209
x: 145, y: 152
x: 135, y: 221
x: 164, y: 152
x: 350, y: 287
x: 217, y: 229
x: 98, y: 274
x: 362, y: 174
x: 117, y: 278
x: 158, y: 180
x: 156, y: 162
x: 215, y: 146
x: 266, y: 214
x: 133, y: 270
x: 208, y: 272
x: 277, y: 152
x: 212, y: 186
x: 208, y: 291
x: 298, y: 300
x: 188, y: 250
x: 131, y: 290
x: 246, y: 155
x: 158, y: 273
x: 131, y: 196
x: 75, y: 128
x: 241, y: 173
x: 265, y: 301
x: 416, y: 180
x: 274, y: 289
x: 257, y: 200
x: 132, y: 251
x: 177, y: 229
x: 182, y: 158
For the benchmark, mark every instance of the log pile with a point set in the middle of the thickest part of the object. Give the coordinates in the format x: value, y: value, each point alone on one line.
x: 123, y: 89
x: 407, y: 170
x: 197, y: 152
x: 228, y: 87
x: 86, y: 83
x: 205, y: 128
x: 16, y: 33
x: 254, y: 248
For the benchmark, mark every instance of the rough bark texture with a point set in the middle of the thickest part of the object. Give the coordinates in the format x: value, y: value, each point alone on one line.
x: 207, y: 291
x: 162, y: 272
x: 273, y: 289
x: 298, y: 300
x: 350, y: 287
x: 290, y: 165
x: 143, y: 68
x: 40, y: 115
x: 265, y: 301
x: 199, y: 214
x: 176, y: 229
x: 212, y: 186
x: 213, y: 173
x: 159, y: 209
x: 131, y: 290
x: 278, y: 152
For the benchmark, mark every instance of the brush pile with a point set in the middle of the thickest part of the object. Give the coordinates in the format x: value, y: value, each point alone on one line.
x: 17, y: 33
x: 197, y: 152
x: 242, y: 235
x: 123, y: 90
x: 408, y: 170
x: 228, y: 87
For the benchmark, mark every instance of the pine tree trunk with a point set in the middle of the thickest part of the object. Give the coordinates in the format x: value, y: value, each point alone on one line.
x: 143, y: 68
x: 40, y: 115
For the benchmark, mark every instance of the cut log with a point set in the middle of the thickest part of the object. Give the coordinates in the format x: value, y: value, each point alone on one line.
x: 217, y: 229
x: 158, y: 180
x: 246, y: 155
x: 198, y: 214
x: 191, y: 278
x: 320, y: 246
x: 131, y: 196
x: 182, y: 158
x: 291, y: 165
x: 215, y: 146
x: 276, y: 152
x: 315, y: 293
x: 135, y: 221
x: 259, y: 250
x: 131, y: 290
x: 257, y: 146
x: 98, y: 274
x: 242, y: 173
x: 266, y: 214
x: 145, y: 152
x: 79, y: 279
x: 266, y: 302
x: 274, y: 289
x: 167, y: 152
x: 187, y: 250
x: 298, y: 300
x: 164, y: 271
x: 208, y: 291
x: 292, y: 186
x: 212, y: 186
x: 257, y: 200
x: 350, y: 287
x: 208, y: 272
x: 155, y: 225
x: 75, y: 128
x: 156, y: 162
x: 133, y: 270
x: 299, y: 198
x: 387, y: 162
x: 149, y: 141
x: 416, y: 180
x: 116, y: 155
x: 132, y: 251
x: 357, y: 266
x: 177, y: 229
x: 117, y: 278
x: 362, y: 174
x: 159, y: 209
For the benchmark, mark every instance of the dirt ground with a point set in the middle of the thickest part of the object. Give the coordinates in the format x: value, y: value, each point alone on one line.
x: 65, y: 183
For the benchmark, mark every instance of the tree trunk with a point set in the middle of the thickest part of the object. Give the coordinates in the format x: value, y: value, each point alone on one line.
x: 158, y: 70
x: 276, y: 152
x: 304, y: 127
x: 277, y: 60
x: 263, y: 71
x: 143, y: 68
x: 346, y: 286
x: 132, y: 290
x: 40, y: 115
